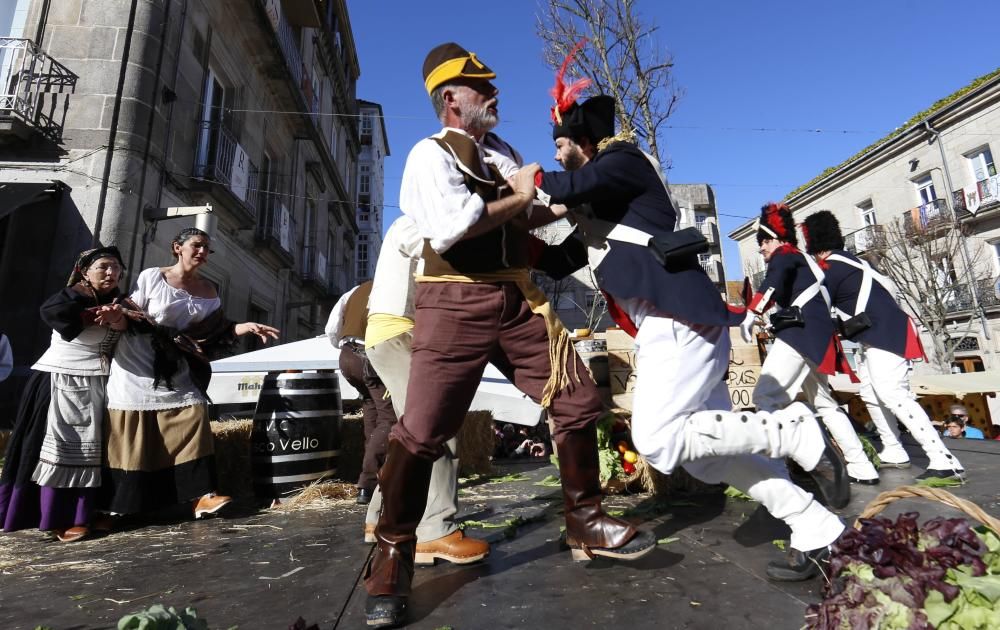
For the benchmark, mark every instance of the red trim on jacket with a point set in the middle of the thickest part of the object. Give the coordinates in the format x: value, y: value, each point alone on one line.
x: 836, y: 361
x: 914, y: 348
x: 620, y: 317
x: 755, y: 303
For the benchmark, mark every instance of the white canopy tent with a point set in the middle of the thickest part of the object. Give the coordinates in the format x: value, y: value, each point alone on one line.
x: 237, y: 380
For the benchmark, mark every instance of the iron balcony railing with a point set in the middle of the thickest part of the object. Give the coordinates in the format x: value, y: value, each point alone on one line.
x: 929, y: 215
x: 711, y: 267
x: 868, y: 237
x: 277, y: 227
x: 34, y: 87
x: 958, y: 297
x: 222, y: 160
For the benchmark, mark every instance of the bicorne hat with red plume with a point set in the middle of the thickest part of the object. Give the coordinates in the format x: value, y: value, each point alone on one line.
x: 776, y: 222
x: 594, y: 118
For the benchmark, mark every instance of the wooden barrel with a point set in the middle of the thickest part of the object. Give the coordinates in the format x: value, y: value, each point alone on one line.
x: 296, y: 431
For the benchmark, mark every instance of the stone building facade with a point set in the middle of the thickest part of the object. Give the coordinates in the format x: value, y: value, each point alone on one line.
x: 371, y: 187
x: 937, y: 169
x: 112, y: 109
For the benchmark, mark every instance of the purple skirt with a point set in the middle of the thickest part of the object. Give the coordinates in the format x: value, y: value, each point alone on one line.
x: 23, y: 503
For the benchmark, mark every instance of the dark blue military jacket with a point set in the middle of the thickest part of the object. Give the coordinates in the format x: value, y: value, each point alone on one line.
x: 891, y: 328
x: 622, y: 186
x: 789, y: 275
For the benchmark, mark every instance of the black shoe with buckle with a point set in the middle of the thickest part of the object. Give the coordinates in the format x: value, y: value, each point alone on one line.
x: 365, y: 496
x: 799, y: 566
x: 385, y: 611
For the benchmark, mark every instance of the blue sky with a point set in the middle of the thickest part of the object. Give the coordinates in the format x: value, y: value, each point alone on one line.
x: 855, y: 70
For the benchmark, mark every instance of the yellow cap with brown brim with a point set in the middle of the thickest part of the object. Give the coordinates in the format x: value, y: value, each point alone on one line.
x: 450, y: 61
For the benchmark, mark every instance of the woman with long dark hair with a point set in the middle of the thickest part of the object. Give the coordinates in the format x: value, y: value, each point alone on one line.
x: 52, y: 468
x: 159, y: 444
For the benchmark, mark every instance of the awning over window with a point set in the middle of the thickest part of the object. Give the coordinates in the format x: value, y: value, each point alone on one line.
x: 13, y: 195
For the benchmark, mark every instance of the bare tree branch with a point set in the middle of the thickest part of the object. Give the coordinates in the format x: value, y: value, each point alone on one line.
x: 623, y: 60
x: 933, y: 284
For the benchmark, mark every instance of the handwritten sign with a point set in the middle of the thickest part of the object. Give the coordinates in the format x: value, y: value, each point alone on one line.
x: 744, y: 371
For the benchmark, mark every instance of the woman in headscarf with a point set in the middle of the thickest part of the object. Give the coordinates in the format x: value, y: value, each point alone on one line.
x: 53, y: 463
x: 159, y: 443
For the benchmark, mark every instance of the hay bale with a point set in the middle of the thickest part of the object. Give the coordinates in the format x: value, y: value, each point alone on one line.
x: 319, y: 495
x: 232, y: 456
x: 677, y: 482
x: 475, y: 444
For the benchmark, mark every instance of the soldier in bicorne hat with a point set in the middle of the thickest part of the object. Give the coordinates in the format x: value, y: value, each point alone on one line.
x: 622, y: 205
x: 474, y: 302
x: 869, y: 315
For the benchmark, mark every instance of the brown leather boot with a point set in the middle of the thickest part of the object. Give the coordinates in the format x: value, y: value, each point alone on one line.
x: 589, y: 531
x: 404, y: 479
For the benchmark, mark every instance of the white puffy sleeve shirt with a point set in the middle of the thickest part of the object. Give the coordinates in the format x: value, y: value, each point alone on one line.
x: 434, y: 194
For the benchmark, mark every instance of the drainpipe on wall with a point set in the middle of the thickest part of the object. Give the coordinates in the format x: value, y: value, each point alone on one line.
x: 114, y: 126
x: 966, y: 259
x: 153, y: 100
x: 42, y: 21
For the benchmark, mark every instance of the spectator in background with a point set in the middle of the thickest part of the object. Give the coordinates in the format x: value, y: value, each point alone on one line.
x: 957, y: 425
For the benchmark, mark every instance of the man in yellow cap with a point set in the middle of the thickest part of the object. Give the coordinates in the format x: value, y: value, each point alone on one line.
x: 474, y: 303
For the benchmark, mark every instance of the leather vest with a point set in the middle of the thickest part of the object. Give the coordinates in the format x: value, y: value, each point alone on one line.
x: 356, y: 312
x: 504, y: 247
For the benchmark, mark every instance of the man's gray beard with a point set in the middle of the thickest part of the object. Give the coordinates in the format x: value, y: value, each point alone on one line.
x: 477, y: 118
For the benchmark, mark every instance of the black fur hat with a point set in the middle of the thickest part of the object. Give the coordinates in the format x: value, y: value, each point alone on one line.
x: 822, y: 232
x: 776, y: 222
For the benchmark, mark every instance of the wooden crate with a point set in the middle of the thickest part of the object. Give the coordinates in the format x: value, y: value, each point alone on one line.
x: 621, y: 367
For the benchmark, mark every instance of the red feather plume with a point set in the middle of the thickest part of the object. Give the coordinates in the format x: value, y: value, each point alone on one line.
x: 565, y: 95
x: 774, y: 219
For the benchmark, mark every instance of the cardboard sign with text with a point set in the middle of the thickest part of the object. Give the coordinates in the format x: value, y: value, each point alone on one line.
x: 621, y: 367
x: 744, y: 371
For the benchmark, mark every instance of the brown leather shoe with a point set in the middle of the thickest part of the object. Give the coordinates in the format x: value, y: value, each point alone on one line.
x: 370, y: 533
x: 210, y: 504
x: 455, y: 548
x: 72, y: 534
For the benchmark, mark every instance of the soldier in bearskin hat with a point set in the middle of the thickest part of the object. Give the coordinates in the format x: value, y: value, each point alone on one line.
x: 658, y: 292
x: 475, y: 303
x: 806, y: 350
x: 869, y: 315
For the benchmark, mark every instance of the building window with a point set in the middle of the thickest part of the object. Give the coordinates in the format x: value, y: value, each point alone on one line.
x: 995, y: 246
x: 925, y: 190
x: 365, y: 179
x: 366, y: 124
x: 362, y: 271
x: 595, y: 298
x: 867, y: 212
x: 981, y: 163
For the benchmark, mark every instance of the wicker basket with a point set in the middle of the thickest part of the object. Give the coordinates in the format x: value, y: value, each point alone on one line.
x: 883, y: 500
